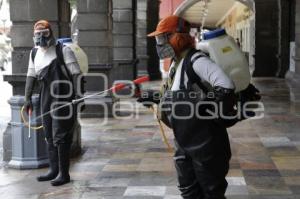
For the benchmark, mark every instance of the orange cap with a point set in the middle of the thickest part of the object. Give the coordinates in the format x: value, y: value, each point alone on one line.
x: 42, y: 24
x: 171, y: 24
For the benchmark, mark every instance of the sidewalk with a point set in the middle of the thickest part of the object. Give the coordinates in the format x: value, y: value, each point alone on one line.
x: 126, y: 159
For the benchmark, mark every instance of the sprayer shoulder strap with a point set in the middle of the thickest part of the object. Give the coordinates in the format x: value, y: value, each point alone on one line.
x: 59, y: 53
x: 188, y: 63
x: 33, y: 53
x: 60, y: 58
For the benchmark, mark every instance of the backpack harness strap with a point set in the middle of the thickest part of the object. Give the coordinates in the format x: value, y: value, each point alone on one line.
x: 33, y: 53
x: 60, y: 58
x: 188, y: 68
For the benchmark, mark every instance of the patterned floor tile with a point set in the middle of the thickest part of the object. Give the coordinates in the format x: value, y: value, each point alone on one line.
x: 127, y: 159
x: 145, y: 191
x: 237, y: 190
x: 236, y: 181
x: 156, y: 164
x: 276, y: 141
x: 287, y: 163
x: 172, y: 197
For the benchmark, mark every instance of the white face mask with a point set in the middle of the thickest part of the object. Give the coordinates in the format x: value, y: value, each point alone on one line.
x: 43, y: 38
x: 163, y: 48
x: 165, y: 51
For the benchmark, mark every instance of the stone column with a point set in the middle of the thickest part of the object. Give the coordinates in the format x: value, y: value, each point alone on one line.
x: 266, y: 38
x: 297, y: 39
x: 152, y: 21
x: 294, y: 71
x: 123, y: 39
x: 95, y: 37
x: 24, y: 13
x: 141, y: 37
x: 284, y: 29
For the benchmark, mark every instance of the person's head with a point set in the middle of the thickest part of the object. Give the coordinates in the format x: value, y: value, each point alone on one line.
x: 172, y: 36
x: 42, y: 34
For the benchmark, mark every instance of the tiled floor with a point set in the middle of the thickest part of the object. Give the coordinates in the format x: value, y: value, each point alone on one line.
x: 126, y: 159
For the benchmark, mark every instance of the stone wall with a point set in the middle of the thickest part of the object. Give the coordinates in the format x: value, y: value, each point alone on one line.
x: 141, y: 36
x: 95, y: 36
x: 123, y: 39
x: 24, y: 13
x: 152, y: 21
x: 147, y: 18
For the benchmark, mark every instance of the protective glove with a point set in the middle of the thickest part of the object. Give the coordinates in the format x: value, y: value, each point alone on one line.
x: 149, y: 98
x: 30, y: 82
x: 227, y: 112
x: 227, y: 98
x: 251, y: 93
x: 28, y: 106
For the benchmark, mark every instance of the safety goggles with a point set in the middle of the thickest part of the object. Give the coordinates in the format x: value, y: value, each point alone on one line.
x: 41, y: 33
x: 162, y: 39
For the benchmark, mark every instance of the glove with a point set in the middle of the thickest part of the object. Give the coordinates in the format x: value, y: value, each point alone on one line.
x: 149, y: 98
x: 30, y: 82
x: 227, y: 97
x: 251, y: 93
x: 28, y: 106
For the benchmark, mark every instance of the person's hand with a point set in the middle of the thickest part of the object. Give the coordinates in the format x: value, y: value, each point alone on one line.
x: 251, y: 93
x: 30, y: 82
x: 28, y: 106
x: 149, y: 98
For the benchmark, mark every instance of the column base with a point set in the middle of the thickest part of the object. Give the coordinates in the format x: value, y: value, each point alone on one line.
x: 23, y: 152
x: 292, y: 77
x: 7, y: 149
x: 28, y: 164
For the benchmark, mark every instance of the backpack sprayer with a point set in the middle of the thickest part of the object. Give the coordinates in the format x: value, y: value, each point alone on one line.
x: 115, y: 88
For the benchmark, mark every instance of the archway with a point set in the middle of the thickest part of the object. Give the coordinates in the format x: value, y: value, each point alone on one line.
x: 268, y: 42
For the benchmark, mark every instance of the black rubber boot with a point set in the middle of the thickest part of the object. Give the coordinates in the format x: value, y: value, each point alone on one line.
x: 53, y: 164
x: 64, y: 163
x: 187, y: 180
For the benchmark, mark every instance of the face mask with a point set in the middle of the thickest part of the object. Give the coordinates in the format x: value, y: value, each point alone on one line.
x: 165, y: 51
x: 43, y: 41
x: 43, y: 38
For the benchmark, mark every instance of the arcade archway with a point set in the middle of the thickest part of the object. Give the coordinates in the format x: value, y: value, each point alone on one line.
x: 262, y: 27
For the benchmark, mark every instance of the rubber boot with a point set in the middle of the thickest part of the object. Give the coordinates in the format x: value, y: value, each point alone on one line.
x: 187, y: 180
x: 53, y: 164
x: 64, y: 163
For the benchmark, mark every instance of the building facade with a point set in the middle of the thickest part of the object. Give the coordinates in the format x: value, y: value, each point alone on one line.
x: 113, y: 34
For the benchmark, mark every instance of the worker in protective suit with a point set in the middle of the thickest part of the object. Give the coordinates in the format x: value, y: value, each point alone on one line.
x: 202, y: 146
x: 56, y: 69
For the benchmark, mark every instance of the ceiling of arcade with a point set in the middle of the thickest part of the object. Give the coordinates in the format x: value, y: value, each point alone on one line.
x: 211, y: 12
